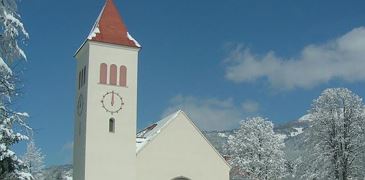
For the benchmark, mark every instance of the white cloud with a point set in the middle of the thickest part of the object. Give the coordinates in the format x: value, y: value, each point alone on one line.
x: 250, y: 106
x: 342, y: 59
x: 68, y: 146
x: 209, y: 113
x: 66, y: 152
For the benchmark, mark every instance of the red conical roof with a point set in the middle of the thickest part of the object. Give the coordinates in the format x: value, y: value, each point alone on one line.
x: 110, y: 28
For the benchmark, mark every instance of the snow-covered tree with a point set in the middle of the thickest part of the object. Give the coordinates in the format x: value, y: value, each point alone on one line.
x: 256, y: 151
x: 11, y: 167
x: 34, y: 159
x: 12, y: 33
x: 335, y: 140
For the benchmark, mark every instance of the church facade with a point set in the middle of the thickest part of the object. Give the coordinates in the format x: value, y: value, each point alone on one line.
x: 106, y: 144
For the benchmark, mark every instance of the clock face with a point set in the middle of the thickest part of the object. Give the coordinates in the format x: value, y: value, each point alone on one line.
x: 112, y: 102
x: 80, y: 105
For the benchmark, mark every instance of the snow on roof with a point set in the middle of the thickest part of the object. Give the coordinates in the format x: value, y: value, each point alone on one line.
x: 95, y: 30
x: 132, y: 39
x: 147, y: 134
x: 109, y: 28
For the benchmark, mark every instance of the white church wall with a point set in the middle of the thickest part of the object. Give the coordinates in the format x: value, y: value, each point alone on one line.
x: 79, y: 124
x: 180, y: 150
x: 110, y: 155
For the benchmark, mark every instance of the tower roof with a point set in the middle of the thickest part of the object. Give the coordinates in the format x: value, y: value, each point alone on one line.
x: 110, y: 28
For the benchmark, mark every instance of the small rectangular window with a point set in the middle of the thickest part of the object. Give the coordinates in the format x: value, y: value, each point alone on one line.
x: 111, y: 125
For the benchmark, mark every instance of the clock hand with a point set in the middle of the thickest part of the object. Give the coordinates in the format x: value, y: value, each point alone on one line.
x: 112, y: 98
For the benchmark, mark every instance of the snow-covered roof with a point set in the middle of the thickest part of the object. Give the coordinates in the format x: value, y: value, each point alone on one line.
x: 109, y: 27
x: 147, y: 134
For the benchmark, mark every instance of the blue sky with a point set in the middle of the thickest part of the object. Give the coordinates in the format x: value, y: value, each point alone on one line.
x: 220, y: 61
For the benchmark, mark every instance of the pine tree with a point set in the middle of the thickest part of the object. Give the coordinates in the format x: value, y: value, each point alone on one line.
x: 335, y: 140
x: 34, y: 159
x: 11, y: 122
x: 256, y: 151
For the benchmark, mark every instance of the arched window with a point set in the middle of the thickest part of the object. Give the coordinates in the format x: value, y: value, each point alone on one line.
x: 111, y: 125
x: 103, y: 73
x: 113, y: 75
x: 123, y: 76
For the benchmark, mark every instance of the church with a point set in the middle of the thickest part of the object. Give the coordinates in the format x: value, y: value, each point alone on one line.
x: 107, y: 145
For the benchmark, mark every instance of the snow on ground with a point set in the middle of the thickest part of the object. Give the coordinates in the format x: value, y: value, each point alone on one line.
x: 297, y: 132
x: 222, y: 135
x: 282, y: 136
x: 305, y: 118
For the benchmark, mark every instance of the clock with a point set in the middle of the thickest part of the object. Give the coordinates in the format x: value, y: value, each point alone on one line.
x: 112, y: 102
x: 80, y: 105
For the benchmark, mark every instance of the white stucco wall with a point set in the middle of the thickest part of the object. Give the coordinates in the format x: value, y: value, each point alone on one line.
x: 180, y: 150
x: 108, y: 155
x: 79, y: 124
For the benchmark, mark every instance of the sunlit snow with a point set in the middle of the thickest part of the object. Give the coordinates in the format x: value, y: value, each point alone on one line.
x: 297, y: 132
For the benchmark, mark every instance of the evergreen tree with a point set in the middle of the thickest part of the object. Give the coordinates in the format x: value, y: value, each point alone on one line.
x: 12, y: 33
x: 34, y: 159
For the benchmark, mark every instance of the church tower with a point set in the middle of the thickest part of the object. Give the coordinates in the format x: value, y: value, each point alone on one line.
x: 106, y: 101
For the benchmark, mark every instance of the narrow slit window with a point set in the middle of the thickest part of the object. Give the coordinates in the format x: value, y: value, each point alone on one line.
x: 123, y: 76
x: 84, y: 76
x: 113, y: 75
x: 111, y: 125
x: 103, y: 73
x: 79, y: 128
x: 79, y: 79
